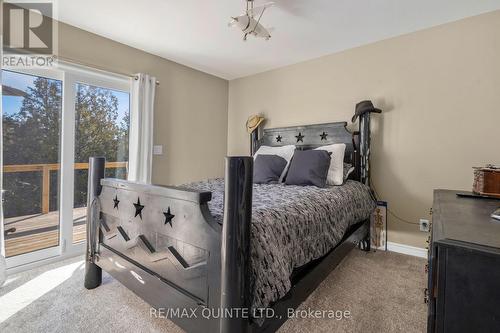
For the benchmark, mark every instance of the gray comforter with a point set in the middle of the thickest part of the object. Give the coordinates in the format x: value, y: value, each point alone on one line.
x: 292, y: 225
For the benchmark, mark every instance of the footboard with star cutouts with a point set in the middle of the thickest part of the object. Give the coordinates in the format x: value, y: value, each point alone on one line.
x: 163, y: 244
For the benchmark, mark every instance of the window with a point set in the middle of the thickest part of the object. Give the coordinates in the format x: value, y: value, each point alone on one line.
x: 53, y: 121
x: 101, y: 129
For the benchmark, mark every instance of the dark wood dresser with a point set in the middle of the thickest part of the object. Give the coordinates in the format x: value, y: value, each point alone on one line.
x: 464, y: 265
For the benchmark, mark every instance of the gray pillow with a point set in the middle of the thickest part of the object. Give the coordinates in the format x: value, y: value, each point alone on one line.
x: 309, y: 167
x: 268, y: 168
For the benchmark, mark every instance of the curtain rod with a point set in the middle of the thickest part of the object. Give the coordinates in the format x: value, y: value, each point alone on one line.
x: 134, y: 76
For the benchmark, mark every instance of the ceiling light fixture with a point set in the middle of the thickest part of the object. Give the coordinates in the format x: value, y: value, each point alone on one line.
x: 249, y: 22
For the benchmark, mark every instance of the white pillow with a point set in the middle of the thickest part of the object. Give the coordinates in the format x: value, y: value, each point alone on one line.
x: 284, y: 151
x: 336, y: 171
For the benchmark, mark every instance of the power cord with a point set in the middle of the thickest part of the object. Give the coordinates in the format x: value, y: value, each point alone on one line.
x: 388, y: 210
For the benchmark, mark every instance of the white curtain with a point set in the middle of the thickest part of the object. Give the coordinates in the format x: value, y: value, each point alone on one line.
x: 141, y: 128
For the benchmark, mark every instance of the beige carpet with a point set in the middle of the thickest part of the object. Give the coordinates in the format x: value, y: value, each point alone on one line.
x: 383, y: 292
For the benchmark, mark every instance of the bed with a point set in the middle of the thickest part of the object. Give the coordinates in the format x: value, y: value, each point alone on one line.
x: 227, y: 255
x: 287, y: 232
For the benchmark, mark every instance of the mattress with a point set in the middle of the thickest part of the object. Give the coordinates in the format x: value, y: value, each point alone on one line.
x: 291, y: 226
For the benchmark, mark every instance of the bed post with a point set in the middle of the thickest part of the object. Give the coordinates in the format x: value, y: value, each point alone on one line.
x: 254, y: 139
x: 364, y: 176
x: 364, y: 138
x: 364, y: 147
x: 235, y: 250
x: 364, y: 151
x: 93, y: 273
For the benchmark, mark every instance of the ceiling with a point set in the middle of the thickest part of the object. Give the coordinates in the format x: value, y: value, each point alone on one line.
x: 195, y: 32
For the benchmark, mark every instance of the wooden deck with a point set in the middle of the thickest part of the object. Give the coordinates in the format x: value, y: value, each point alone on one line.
x: 36, y: 232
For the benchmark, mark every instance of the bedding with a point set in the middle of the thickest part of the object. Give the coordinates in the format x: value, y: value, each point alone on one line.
x: 291, y: 226
x: 348, y: 169
x: 268, y: 168
x: 308, y: 167
x: 335, y: 172
x: 283, y: 151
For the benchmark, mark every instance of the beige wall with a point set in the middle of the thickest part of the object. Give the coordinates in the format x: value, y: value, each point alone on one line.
x: 440, y: 92
x: 190, y: 107
x: 439, y: 88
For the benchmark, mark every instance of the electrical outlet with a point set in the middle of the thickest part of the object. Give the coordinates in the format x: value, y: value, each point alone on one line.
x: 424, y: 225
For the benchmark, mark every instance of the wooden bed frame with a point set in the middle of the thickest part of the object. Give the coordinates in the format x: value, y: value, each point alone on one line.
x: 164, y: 245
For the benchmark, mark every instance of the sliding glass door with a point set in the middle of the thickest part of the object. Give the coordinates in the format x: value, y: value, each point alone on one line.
x: 52, y: 123
x: 32, y: 109
x: 101, y: 129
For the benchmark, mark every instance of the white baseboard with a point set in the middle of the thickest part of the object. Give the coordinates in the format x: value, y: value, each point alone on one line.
x: 407, y: 249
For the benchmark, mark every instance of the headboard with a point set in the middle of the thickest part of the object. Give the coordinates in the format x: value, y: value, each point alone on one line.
x: 313, y: 136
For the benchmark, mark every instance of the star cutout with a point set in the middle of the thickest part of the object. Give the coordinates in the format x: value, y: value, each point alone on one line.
x: 138, y: 208
x: 323, y: 136
x: 300, y: 137
x: 116, y: 202
x: 278, y: 138
x: 168, y: 217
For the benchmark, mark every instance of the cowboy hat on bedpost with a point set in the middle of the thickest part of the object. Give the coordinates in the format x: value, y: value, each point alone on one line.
x: 364, y: 107
x: 253, y: 122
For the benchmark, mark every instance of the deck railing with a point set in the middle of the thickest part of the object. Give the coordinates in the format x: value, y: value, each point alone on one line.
x: 46, y: 169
